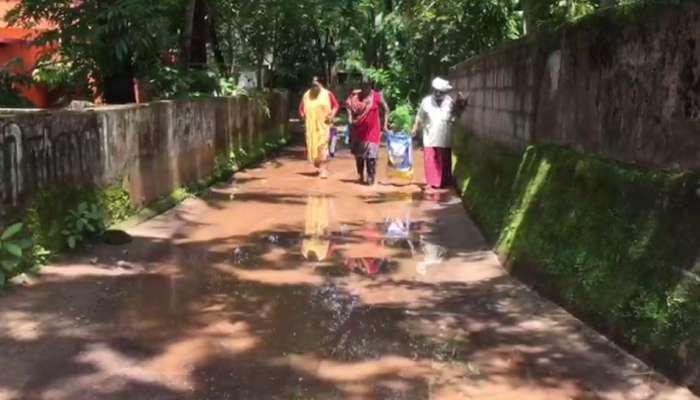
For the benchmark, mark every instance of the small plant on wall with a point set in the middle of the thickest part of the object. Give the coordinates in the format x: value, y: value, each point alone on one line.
x: 13, y: 246
x: 83, y: 223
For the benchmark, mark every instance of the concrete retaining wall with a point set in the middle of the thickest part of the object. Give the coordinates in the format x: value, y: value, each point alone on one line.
x: 616, y: 244
x: 152, y: 148
x: 623, y: 87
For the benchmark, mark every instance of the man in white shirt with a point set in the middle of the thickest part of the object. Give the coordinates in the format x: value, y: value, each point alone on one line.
x: 436, y: 115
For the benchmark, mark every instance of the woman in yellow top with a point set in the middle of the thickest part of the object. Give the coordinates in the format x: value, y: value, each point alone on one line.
x: 318, y: 109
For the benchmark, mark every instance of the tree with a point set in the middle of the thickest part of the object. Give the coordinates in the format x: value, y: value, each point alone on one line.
x: 111, y: 41
x: 403, y: 44
x: 541, y: 14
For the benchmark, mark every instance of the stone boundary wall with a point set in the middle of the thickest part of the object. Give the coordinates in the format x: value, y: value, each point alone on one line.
x: 622, y: 86
x: 150, y: 149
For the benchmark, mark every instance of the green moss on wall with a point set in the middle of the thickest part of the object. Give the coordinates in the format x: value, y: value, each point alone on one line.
x: 490, y: 169
x: 618, y: 245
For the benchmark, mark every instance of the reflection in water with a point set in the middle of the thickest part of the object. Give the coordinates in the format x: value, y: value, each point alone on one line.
x: 376, y: 242
x: 316, y: 245
x: 434, y: 253
x: 368, y: 266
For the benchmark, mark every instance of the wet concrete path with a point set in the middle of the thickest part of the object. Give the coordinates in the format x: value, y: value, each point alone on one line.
x: 281, y: 286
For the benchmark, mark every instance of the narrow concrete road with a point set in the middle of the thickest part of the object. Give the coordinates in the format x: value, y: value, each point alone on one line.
x: 282, y: 286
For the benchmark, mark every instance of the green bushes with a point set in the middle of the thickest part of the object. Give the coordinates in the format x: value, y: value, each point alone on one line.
x: 13, y: 246
x: 83, y: 223
x: 618, y: 245
x: 401, y: 118
x: 171, y: 82
x: 9, y: 80
x: 62, y: 219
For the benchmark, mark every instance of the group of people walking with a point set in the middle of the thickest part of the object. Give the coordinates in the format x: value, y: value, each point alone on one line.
x: 365, y: 106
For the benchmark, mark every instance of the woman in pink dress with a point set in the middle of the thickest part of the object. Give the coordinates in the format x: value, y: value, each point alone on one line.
x: 363, y: 107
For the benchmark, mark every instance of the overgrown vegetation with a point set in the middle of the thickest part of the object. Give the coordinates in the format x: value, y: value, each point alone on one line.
x: 83, y: 223
x: 13, y: 247
x: 10, y: 78
x: 201, y: 46
x: 617, y: 245
x: 401, y: 119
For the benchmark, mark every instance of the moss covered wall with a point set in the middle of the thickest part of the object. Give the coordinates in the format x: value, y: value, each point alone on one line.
x: 617, y: 245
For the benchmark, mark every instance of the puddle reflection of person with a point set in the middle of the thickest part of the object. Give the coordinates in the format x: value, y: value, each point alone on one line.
x: 398, y: 225
x: 317, y: 245
x: 369, y: 266
x: 434, y: 253
x: 370, y: 254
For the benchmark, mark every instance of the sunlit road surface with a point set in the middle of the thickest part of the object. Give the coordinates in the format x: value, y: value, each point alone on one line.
x: 282, y: 286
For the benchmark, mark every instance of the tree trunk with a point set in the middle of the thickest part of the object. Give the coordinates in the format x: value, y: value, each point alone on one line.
x: 187, y: 33
x: 259, y: 72
x: 275, y: 49
x: 214, y: 38
x: 118, y: 88
x: 200, y: 33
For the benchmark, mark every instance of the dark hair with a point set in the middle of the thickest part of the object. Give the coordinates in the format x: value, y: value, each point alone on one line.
x: 320, y: 79
x: 312, y: 256
x: 365, y: 82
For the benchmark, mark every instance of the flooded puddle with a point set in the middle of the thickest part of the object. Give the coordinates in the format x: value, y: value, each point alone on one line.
x: 343, y: 294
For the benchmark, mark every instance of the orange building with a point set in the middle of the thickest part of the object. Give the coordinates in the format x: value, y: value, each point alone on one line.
x: 14, y: 44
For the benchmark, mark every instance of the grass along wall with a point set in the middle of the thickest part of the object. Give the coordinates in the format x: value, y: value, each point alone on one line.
x: 619, y: 246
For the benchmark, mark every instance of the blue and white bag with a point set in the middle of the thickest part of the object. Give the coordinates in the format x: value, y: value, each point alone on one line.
x: 400, y: 149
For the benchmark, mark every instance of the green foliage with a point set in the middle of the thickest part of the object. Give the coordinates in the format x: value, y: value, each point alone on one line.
x: 552, y: 15
x: 549, y: 14
x: 55, y: 214
x: 203, y: 82
x: 403, y: 45
x: 169, y: 82
x: 173, y: 82
x: 61, y: 73
x: 229, y: 87
x: 616, y: 244
x: 115, y: 205
x: 401, y: 119
x: 83, y: 223
x: 10, y: 98
x: 99, y: 39
x: 9, y: 79
x: 40, y: 256
x: 13, y: 248
x: 225, y: 165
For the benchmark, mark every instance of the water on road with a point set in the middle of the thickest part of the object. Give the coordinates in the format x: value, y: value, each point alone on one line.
x: 282, y: 286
